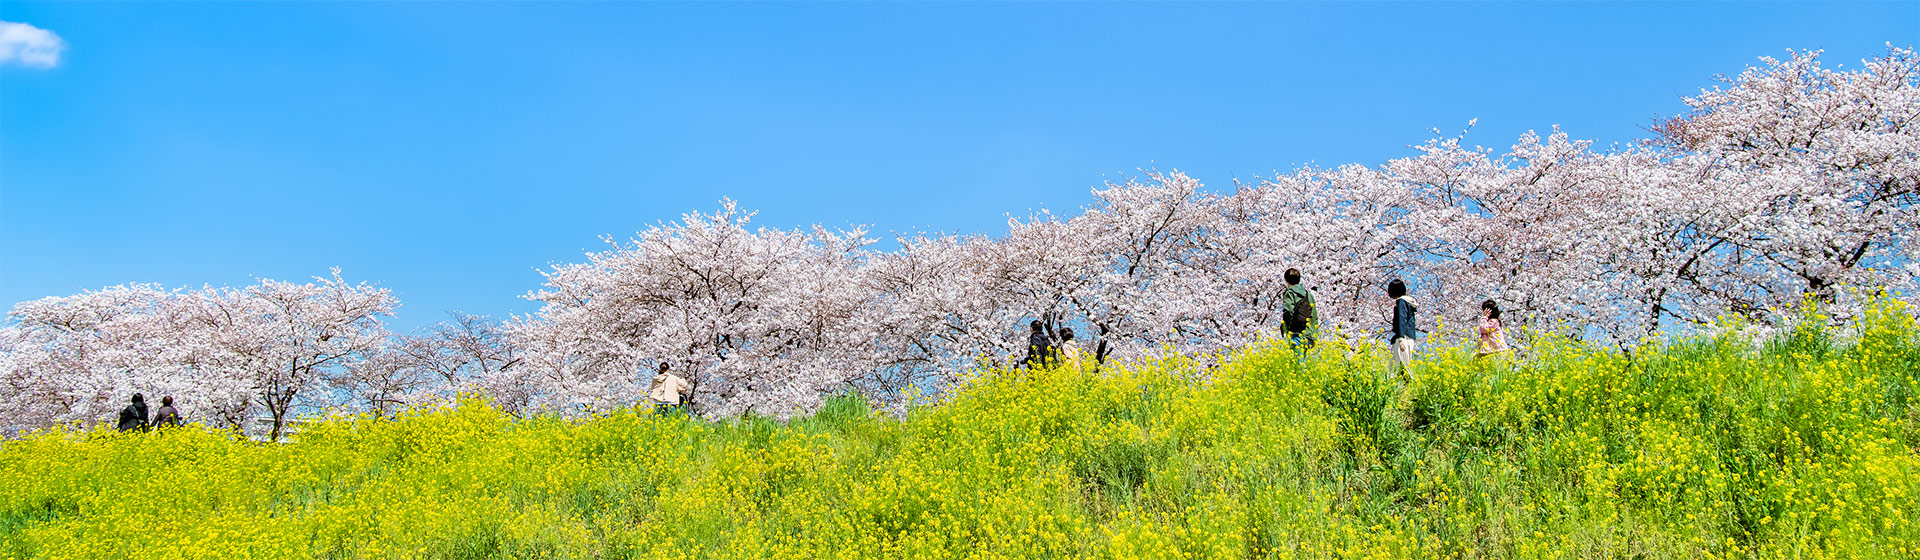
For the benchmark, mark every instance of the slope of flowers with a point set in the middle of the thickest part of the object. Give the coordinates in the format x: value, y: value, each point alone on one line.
x: 1702, y: 448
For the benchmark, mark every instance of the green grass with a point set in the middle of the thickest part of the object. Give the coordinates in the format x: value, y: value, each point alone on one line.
x: 1703, y: 448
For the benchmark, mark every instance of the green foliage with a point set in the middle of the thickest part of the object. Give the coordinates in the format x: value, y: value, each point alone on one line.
x: 1699, y: 448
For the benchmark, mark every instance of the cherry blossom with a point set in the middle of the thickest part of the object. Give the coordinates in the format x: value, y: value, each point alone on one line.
x: 1788, y: 183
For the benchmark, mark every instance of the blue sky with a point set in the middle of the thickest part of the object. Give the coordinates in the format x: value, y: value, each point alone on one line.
x: 448, y: 151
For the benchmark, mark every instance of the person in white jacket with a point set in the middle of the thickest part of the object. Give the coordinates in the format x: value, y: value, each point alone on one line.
x: 1069, y: 352
x: 669, y: 392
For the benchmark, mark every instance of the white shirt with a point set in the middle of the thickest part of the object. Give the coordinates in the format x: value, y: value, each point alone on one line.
x: 667, y: 388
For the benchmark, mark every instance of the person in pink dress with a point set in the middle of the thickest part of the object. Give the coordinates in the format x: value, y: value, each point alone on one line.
x: 1493, y: 337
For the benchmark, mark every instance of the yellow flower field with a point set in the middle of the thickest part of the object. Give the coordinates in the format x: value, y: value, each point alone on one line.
x: 1700, y: 448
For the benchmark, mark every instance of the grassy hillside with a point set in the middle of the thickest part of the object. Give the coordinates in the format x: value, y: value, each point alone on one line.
x: 1704, y: 448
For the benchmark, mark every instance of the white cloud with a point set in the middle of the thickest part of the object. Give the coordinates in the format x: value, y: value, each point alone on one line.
x: 29, y: 46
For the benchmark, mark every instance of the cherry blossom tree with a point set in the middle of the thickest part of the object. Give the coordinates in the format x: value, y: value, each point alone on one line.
x: 76, y: 359
x: 931, y: 315
x: 1787, y: 183
x: 223, y: 353
x: 1721, y: 215
x: 285, y: 341
x: 1828, y: 164
x: 1156, y: 282
x: 758, y: 320
x: 466, y: 354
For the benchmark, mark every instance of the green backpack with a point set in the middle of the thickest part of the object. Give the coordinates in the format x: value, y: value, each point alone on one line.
x: 1296, y: 319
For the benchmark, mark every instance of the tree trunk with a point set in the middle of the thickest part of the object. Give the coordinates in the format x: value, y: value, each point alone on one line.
x: 279, y: 420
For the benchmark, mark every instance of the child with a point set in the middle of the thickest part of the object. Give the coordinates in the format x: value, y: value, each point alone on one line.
x: 1493, y: 337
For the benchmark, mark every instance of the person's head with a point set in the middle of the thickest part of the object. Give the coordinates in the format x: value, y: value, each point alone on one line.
x: 137, y: 398
x: 166, y: 400
x: 664, y: 367
x: 1066, y: 333
x: 1491, y: 309
x: 1037, y: 327
x: 1396, y: 288
x: 1293, y: 276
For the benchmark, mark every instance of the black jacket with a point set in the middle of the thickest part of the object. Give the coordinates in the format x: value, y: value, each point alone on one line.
x: 1403, y: 320
x: 1039, y: 350
x: 133, y: 417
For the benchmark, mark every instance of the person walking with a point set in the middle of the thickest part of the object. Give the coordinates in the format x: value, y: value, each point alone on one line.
x: 1068, y: 351
x: 1493, y: 336
x: 1039, y: 348
x: 1297, y: 313
x: 134, y: 416
x: 1402, y: 338
x: 669, y: 392
x: 167, y: 416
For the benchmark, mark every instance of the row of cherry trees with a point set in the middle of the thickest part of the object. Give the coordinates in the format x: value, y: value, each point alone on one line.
x: 227, y: 354
x: 231, y: 356
x: 1790, y: 182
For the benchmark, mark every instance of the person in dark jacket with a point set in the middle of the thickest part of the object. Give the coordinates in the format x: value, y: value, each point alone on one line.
x: 1039, y: 347
x: 134, y: 416
x: 1403, y: 325
x: 167, y: 416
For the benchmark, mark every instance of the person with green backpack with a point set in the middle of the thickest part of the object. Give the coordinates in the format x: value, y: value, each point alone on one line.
x: 1297, y: 313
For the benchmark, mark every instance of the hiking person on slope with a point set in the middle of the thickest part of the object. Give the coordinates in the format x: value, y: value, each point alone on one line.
x: 1039, y: 347
x: 669, y: 391
x: 134, y: 416
x: 1297, y: 313
x: 1068, y: 350
x: 167, y: 416
x: 1401, y: 337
